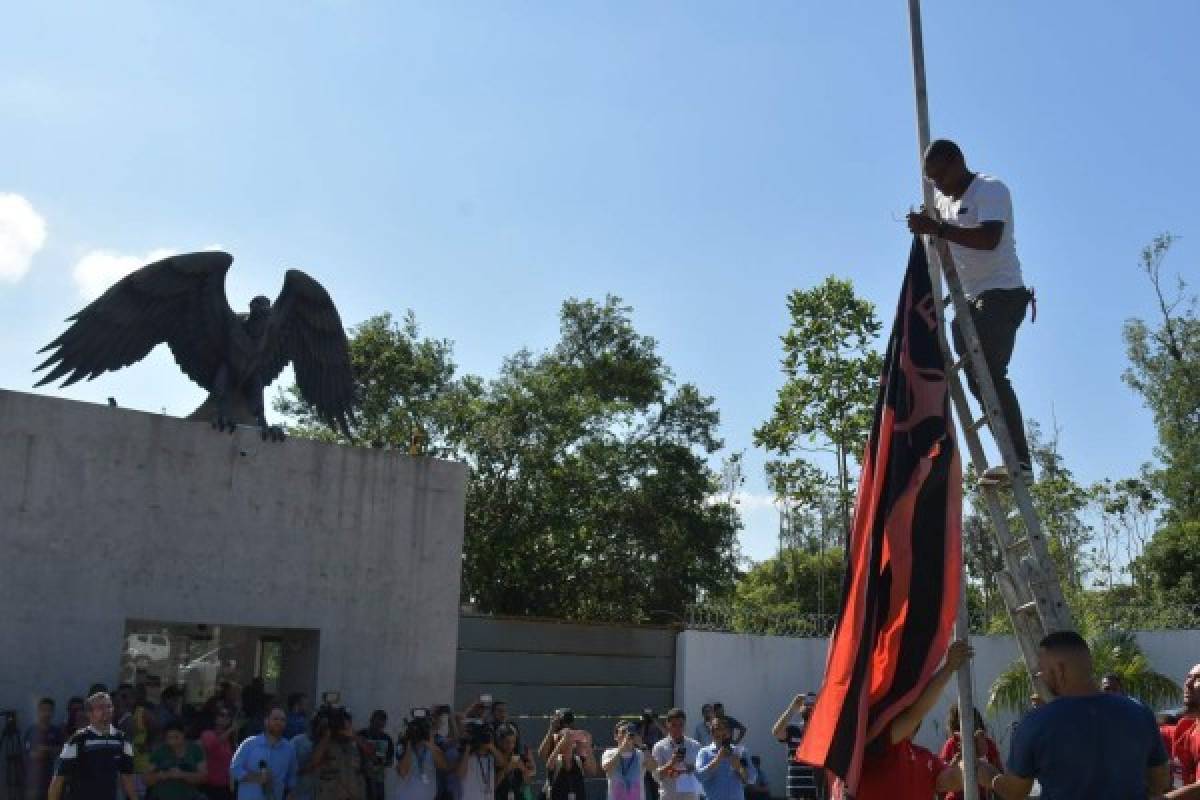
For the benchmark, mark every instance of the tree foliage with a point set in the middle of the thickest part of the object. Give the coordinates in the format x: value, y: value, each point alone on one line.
x: 831, y: 372
x: 590, y: 494
x: 796, y: 583
x: 1113, y: 651
x: 1164, y: 368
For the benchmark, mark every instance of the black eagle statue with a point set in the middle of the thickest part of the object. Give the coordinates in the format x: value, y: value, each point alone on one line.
x: 180, y: 300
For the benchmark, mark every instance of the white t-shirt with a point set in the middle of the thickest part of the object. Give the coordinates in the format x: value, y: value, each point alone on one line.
x: 686, y: 784
x: 986, y: 199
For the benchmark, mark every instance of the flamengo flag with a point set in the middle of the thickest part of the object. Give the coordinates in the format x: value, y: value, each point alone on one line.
x: 901, y: 587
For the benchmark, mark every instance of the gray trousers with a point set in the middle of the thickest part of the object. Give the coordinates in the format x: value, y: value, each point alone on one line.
x: 997, y: 314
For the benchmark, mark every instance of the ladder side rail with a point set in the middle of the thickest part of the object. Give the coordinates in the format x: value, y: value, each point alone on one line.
x: 1027, y: 639
x: 1051, y: 606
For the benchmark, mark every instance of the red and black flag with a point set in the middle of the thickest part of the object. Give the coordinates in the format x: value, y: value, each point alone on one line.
x: 901, y: 587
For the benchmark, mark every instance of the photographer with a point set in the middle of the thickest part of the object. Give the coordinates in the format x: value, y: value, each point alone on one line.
x: 477, y: 766
x: 517, y: 769
x: 804, y: 781
x: 571, y: 761
x: 447, y: 732
x: 627, y: 764
x: 419, y: 760
x: 675, y: 757
x: 381, y: 755
x: 724, y: 768
x: 337, y: 759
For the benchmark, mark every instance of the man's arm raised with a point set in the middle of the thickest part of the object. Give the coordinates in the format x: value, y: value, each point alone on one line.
x: 907, y: 722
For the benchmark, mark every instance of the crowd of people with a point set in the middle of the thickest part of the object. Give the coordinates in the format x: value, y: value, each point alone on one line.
x: 241, y: 744
x: 1090, y: 741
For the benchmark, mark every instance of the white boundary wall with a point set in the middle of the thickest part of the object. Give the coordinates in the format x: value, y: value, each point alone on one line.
x: 757, y: 676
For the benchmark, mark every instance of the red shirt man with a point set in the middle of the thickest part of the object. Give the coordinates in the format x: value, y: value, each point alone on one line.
x: 896, y: 769
x: 905, y: 771
x: 1185, y: 738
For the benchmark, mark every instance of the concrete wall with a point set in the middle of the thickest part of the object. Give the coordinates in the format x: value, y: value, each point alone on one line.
x: 107, y: 515
x: 757, y: 676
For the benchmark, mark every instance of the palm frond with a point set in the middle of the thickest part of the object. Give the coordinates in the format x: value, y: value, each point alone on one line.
x: 1011, y: 689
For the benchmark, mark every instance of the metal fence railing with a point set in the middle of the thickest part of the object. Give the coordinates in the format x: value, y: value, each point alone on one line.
x: 725, y: 618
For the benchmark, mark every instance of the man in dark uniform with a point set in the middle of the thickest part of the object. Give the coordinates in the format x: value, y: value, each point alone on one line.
x: 94, y: 758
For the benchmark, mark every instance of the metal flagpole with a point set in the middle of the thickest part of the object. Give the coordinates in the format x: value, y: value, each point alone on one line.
x: 962, y: 630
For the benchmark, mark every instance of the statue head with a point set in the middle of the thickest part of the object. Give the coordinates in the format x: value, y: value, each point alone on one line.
x: 260, y: 306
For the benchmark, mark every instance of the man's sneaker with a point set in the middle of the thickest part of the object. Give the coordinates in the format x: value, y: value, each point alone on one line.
x: 997, y: 475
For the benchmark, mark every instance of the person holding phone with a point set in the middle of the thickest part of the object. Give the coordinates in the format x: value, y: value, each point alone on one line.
x: 570, y: 763
x: 519, y: 771
x: 724, y: 768
x: 804, y: 781
x: 675, y: 760
x: 177, y: 768
x: 627, y: 764
x: 381, y: 755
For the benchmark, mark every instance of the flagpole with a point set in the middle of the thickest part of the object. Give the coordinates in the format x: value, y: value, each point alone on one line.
x: 962, y: 630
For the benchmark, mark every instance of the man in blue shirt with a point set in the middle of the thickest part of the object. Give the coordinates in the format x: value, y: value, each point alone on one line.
x: 1086, y: 743
x: 723, y: 767
x: 264, y: 766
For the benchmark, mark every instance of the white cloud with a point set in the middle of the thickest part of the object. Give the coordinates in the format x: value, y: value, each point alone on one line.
x: 22, y: 234
x: 100, y: 269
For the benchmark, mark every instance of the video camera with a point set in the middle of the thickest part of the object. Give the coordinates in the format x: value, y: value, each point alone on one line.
x: 478, y: 734
x: 331, y: 715
x: 564, y: 717
x: 419, y: 727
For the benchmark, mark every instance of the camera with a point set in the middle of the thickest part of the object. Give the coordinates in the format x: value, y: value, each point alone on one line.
x: 479, y: 733
x: 330, y: 716
x: 419, y: 728
x: 565, y: 717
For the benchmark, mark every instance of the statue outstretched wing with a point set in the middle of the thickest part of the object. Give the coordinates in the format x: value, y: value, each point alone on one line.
x: 307, y: 331
x: 179, y: 300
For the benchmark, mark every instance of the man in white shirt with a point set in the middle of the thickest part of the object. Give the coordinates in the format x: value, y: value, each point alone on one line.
x: 976, y: 220
x: 675, y: 760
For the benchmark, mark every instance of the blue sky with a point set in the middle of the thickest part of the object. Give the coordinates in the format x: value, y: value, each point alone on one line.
x: 480, y: 162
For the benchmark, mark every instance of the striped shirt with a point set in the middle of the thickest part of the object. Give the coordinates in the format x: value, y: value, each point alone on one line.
x: 91, y: 762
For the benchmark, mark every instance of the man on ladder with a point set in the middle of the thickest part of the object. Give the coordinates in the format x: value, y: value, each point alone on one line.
x: 977, y: 223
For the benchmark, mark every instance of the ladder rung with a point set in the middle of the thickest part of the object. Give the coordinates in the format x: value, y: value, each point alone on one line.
x: 1027, y: 608
x: 976, y: 424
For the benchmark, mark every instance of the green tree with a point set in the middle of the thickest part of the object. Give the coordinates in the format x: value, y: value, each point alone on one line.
x: 1164, y: 368
x: 590, y: 494
x: 831, y: 373
x: 404, y: 384
x: 1113, y: 651
x: 784, y: 594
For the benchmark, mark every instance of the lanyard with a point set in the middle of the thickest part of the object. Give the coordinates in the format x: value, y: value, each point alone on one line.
x: 626, y: 769
x: 422, y: 757
x: 485, y: 769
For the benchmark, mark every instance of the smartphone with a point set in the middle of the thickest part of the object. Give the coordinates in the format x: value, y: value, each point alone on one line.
x: 486, y: 699
x: 331, y: 698
x: 419, y: 713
